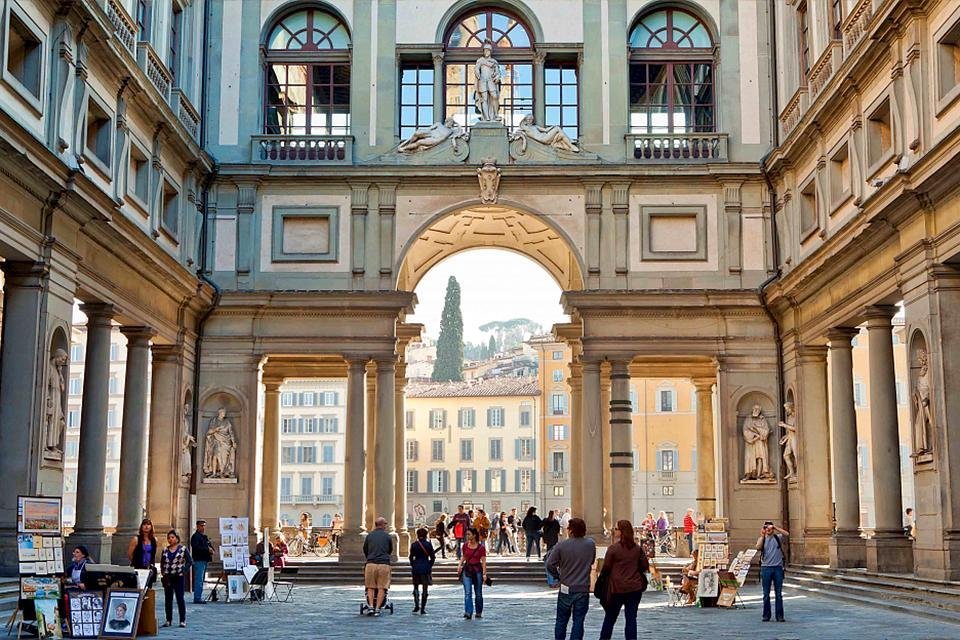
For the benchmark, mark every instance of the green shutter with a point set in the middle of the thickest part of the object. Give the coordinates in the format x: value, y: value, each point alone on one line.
x: 516, y: 480
x: 489, y: 479
x: 459, y: 481
x: 503, y: 480
x: 516, y: 449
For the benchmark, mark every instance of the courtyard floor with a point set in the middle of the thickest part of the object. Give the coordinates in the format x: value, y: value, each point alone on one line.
x: 527, y: 613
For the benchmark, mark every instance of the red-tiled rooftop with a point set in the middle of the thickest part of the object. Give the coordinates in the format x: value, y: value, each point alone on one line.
x: 483, y: 387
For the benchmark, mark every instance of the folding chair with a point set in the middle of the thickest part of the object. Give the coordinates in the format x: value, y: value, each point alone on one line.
x: 257, y: 579
x: 282, y: 589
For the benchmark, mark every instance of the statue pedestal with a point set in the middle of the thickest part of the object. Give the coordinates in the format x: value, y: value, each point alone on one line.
x: 489, y: 140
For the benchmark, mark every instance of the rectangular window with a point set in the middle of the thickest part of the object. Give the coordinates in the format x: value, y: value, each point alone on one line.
x: 413, y: 450
x: 112, y: 417
x: 634, y: 404
x: 98, y: 132
x: 288, y: 455
x: 144, y: 15
x: 496, y: 449
x: 326, y: 485
x: 561, y: 98
x: 803, y: 41
x: 667, y: 460
x: 666, y: 490
x: 859, y: 394
x: 287, y: 399
x: 836, y: 14
x: 114, y: 352
x: 558, y: 404
x: 558, y: 432
x: 516, y: 93
x: 671, y: 98
x: 495, y: 417
x: 416, y: 98
x: 109, y: 481
x: 901, y: 395
x: 467, y: 418
x: 408, y: 419
x: 311, y: 425
x: 526, y: 411
x: 329, y: 424
x: 308, y: 398
x: 286, y: 487
x: 329, y: 399
x: 24, y: 55
x: 114, y: 385
x: 558, y: 355
x: 948, y: 63
x: 288, y: 425
x: 76, y: 385
x: 170, y: 220
x: 468, y: 479
x: 526, y: 480
x: 438, y: 481
x: 436, y: 450
x: 308, y: 455
x: 466, y: 450
x: 176, y: 26
x: 808, y: 208
x: 840, y: 176
x: 306, y: 485
x: 559, y: 460
x: 76, y: 353
x: 438, y: 419
x: 412, y: 481
x: 437, y: 506
x: 879, y: 136
x: 329, y: 451
x: 666, y: 400
x: 307, y: 99
x: 73, y: 418
x: 496, y: 481
x: 138, y: 179
x: 558, y: 491
x: 558, y: 375
x: 524, y: 448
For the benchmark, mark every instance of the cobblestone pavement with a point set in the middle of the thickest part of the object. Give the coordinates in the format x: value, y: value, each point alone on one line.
x: 528, y: 613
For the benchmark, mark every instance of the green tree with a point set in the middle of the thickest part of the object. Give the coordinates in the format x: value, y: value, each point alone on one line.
x: 492, y: 346
x: 449, y: 364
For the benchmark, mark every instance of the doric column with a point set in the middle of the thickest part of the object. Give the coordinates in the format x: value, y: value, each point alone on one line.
x: 384, y: 461
x: 354, y: 463
x: 21, y: 381
x: 169, y: 422
x: 606, y: 445
x: 888, y: 550
x: 270, y: 482
x: 592, y: 447
x: 132, y: 499
x: 400, y: 459
x: 93, y: 432
x: 813, y: 437
x: 371, y: 432
x: 706, y: 457
x: 846, y: 547
x: 576, y: 439
x: 621, y: 442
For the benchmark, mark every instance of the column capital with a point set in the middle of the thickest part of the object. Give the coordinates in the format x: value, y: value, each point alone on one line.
x: 98, y: 312
x: 812, y: 353
x: 24, y: 273
x: 703, y: 385
x: 879, y: 315
x: 590, y: 366
x: 357, y: 362
x: 386, y: 366
x: 167, y: 352
x: 619, y: 368
x: 272, y: 384
x: 138, y: 336
x: 840, y: 337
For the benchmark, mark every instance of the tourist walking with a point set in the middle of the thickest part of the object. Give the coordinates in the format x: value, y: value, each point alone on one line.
x: 505, y: 535
x: 440, y: 531
x: 770, y: 546
x: 201, y: 550
x: 142, y: 550
x: 570, y: 562
x: 174, y: 564
x: 377, y: 549
x: 551, y: 530
x: 459, y: 524
x: 422, y: 557
x: 689, y: 526
x: 565, y: 522
x: 627, y: 565
x: 531, y: 530
x: 494, y: 538
x: 482, y: 524
x: 473, y: 573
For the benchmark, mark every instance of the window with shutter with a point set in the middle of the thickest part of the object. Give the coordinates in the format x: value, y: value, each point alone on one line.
x: 408, y: 419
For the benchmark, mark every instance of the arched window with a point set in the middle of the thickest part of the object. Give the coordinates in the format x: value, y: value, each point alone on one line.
x: 307, y: 89
x: 671, y: 74
x: 513, y: 48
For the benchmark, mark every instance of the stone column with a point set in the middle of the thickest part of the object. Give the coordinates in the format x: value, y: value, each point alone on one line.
x: 606, y: 445
x: 371, y: 433
x: 92, y: 462
x: 270, y: 483
x: 888, y: 550
x: 23, y: 357
x: 576, y: 439
x: 168, y: 423
x: 438, y: 81
x: 621, y: 442
x: 813, y: 437
x: 706, y: 457
x: 384, y: 461
x: 592, y: 447
x: 846, y: 546
x: 354, y: 462
x: 132, y: 500
x: 400, y: 459
x: 539, y: 88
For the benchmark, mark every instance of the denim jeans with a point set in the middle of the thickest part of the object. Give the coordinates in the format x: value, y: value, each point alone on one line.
x: 472, y: 592
x: 630, y: 603
x: 199, y: 571
x: 689, y: 537
x: 772, y: 575
x: 533, y: 539
x: 571, y: 603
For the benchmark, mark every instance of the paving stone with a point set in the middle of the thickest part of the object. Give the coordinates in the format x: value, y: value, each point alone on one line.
x: 528, y: 613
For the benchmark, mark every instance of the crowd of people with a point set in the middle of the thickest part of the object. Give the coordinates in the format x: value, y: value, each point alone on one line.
x: 501, y: 533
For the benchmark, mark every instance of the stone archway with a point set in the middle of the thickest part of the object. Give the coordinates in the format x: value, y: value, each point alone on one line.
x: 501, y: 226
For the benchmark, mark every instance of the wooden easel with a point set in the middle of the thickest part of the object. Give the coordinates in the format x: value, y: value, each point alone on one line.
x: 20, y: 619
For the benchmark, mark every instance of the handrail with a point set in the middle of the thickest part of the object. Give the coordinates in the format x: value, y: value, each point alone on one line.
x: 124, y: 26
x: 677, y: 147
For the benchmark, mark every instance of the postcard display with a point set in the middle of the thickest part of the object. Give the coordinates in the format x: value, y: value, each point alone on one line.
x: 235, y: 555
x: 40, y: 556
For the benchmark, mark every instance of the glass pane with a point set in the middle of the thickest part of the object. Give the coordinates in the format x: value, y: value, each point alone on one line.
x: 501, y: 22
x: 519, y: 37
x: 277, y: 74
x: 341, y: 74
x: 296, y: 96
x: 339, y: 38
x: 702, y: 73
x: 455, y: 73
x: 700, y: 37
x: 297, y: 74
x: 551, y: 75
x: 425, y: 93
x: 682, y: 119
x: 569, y: 115
x: 408, y: 116
x: 456, y: 94
x: 552, y: 94
x: 570, y: 94
x: 569, y: 75
x: 341, y: 95
x: 408, y: 94
x: 321, y: 95
x: 523, y: 92
x: 408, y: 76
x: 321, y: 74
x: 683, y: 21
x: 522, y: 73
x: 638, y: 73
x: 552, y: 116
x: 704, y: 94
x: 426, y: 76
x: 425, y: 115
x: 459, y: 37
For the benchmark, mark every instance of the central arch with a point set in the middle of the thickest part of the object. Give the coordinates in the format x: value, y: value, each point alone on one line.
x: 500, y: 226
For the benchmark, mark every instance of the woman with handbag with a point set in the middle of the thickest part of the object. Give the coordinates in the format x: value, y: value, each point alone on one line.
x: 472, y: 573
x: 174, y: 565
x: 625, y: 566
x: 422, y: 557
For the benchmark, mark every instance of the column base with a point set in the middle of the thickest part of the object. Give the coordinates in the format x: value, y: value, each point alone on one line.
x: 889, y: 552
x: 405, y: 539
x: 847, y: 550
x: 118, y: 552
x: 397, y: 549
x: 97, y: 543
x: 814, y: 548
x: 351, y: 546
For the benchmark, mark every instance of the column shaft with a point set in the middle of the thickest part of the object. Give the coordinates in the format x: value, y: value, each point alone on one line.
x: 93, y: 433
x: 132, y: 499
x: 354, y: 463
x: 371, y: 433
x: 814, y: 457
x: 384, y: 461
x: 846, y: 549
x: 606, y: 445
x: 400, y: 460
x: 592, y: 449
x: 169, y: 422
x: 270, y: 483
x: 621, y: 443
x: 576, y: 440
x: 706, y: 457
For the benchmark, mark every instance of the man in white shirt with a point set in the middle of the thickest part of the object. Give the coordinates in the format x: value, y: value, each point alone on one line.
x: 565, y: 521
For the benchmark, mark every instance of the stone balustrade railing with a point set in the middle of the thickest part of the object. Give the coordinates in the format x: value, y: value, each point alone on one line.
x: 855, y: 25
x: 558, y: 475
x: 124, y: 26
x: 825, y: 67
x: 283, y: 149
x: 312, y: 498
x: 187, y: 114
x: 791, y: 113
x: 676, y: 147
x: 157, y: 72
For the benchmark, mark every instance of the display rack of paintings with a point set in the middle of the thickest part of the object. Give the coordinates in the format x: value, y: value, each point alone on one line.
x: 234, y: 543
x: 40, y: 562
x: 84, y: 613
x: 713, y: 543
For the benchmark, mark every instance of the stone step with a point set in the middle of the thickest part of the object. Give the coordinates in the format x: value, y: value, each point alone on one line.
x: 897, y: 581
x: 9, y: 594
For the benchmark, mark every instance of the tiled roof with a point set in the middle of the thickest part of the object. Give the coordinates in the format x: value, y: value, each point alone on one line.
x: 484, y: 387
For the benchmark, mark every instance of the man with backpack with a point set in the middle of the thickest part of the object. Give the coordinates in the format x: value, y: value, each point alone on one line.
x: 772, y: 561
x: 459, y: 524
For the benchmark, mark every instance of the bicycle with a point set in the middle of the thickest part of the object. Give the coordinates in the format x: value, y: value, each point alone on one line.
x: 666, y: 543
x: 323, y: 545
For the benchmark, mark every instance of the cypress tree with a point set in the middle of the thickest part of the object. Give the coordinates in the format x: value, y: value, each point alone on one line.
x: 449, y: 364
x: 492, y: 346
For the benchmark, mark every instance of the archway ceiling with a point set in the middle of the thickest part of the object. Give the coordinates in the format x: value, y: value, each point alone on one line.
x: 492, y: 227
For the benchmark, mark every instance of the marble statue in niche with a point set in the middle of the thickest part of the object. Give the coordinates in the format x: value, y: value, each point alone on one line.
x: 789, y: 440
x: 220, y: 448
x: 923, y: 420
x: 756, y: 432
x: 54, y: 419
x: 486, y: 88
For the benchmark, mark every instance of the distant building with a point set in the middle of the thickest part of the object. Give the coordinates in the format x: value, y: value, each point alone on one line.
x: 420, y: 358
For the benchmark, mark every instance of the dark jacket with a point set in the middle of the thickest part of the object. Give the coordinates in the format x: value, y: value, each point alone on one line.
x: 441, y: 529
x: 422, y: 557
x: 82, y: 566
x: 378, y: 547
x: 627, y: 568
x: 460, y: 518
x: 137, y: 561
x: 532, y: 524
x: 551, y: 531
x: 200, y: 547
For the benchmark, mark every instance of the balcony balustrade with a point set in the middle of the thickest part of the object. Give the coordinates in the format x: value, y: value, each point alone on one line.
x: 156, y: 71
x: 312, y: 498
x: 676, y: 147
x: 284, y: 149
x: 124, y: 26
x: 187, y: 114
